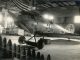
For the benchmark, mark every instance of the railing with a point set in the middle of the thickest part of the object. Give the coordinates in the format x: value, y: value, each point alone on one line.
x: 20, y: 52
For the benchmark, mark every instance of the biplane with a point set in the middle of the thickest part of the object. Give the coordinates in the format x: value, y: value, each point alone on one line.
x: 30, y: 20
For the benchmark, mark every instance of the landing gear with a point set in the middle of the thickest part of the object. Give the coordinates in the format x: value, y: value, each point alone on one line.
x: 21, y: 39
x: 40, y: 44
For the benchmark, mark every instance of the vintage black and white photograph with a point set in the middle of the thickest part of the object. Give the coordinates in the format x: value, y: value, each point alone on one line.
x: 39, y: 29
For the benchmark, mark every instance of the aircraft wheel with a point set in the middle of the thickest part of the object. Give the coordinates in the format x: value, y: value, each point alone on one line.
x: 40, y: 44
x: 21, y: 39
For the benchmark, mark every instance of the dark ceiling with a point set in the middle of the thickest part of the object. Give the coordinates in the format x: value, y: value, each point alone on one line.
x: 42, y: 3
x: 38, y: 5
